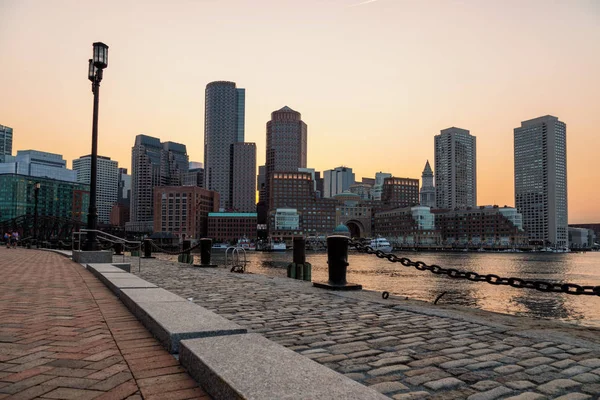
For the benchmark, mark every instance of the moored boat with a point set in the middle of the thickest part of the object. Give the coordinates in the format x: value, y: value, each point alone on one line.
x: 381, y: 244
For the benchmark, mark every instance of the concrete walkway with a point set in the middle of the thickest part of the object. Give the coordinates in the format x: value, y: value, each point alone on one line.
x: 64, y: 335
x: 402, y: 349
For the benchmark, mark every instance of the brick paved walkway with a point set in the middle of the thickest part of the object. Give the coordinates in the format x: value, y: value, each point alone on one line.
x: 63, y: 335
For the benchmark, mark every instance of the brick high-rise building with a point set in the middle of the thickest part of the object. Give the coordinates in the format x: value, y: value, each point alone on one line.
x: 183, y: 210
x: 286, y: 143
x: 455, y: 169
x: 400, y: 192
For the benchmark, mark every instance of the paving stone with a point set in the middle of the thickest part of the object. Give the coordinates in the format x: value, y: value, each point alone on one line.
x: 491, y: 394
x: 483, y: 365
x: 527, y: 396
x: 457, y: 363
x: 391, y: 360
x: 592, y: 362
x: 388, y: 387
x: 563, y: 363
x: 573, y: 396
x: 557, y: 386
x: 575, y: 370
x: 590, y: 388
x: 520, y: 385
x: 443, y: 384
x: 508, y: 369
x: 540, y: 369
x: 485, y: 385
x: 533, y: 362
x: 586, y: 378
x: 412, y: 396
x: 390, y: 369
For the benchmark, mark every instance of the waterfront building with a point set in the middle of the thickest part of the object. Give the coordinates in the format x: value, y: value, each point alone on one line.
x: 119, y: 214
x: 183, y: 210
x: 319, y: 184
x: 377, y: 190
x: 593, y: 227
x: 56, y: 198
x: 400, y: 192
x: 455, y: 169
x: 352, y: 213
x: 287, y: 140
x: 224, y: 114
x: 195, y: 175
x: 408, y: 226
x: 361, y: 189
x: 581, y: 238
x: 370, y: 181
x: 541, y: 179
x: 481, y: 226
x: 153, y: 164
x: 244, y: 177
x: 295, y: 190
x: 337, y: 180
x: 6, y: 140
x: 39, y: 164
x: 107, y: 182
x: 124, y: 189
x: 229, y: 227
x: 261, y: 184
x: 427, y: 194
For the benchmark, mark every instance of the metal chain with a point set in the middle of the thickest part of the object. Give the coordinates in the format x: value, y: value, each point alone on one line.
x: 175, y: 253
x: 568, y: 288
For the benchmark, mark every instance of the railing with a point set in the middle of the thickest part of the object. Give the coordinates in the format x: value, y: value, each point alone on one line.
x: 136, y: 245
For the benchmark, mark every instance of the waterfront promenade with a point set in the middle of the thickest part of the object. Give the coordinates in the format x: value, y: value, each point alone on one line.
x: 64, y: 335
x: 406, y: 350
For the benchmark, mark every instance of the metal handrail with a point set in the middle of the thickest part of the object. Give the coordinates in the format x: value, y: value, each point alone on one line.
x: 108, y: 237
x: 235, y: 251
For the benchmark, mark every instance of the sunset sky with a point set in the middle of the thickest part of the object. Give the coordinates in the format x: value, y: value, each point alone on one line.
x: 374, y: 81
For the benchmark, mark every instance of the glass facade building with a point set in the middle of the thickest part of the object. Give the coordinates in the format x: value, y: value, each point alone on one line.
x: 6, y: 139
x: 56, y: 198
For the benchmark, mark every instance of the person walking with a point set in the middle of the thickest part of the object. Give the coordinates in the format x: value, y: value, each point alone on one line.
x: 15, y: 239
x: 7, y: 239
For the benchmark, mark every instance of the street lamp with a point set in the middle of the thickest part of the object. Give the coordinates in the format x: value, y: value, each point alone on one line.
x: 95, y: 67
x: 36, y: 191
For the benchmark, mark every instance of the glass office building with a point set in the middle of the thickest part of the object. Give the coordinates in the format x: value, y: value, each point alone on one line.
x: 56, y: 198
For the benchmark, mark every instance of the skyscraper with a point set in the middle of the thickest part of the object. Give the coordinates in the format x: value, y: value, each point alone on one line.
x: 455, y: 169
x: 286, y: 143
x: 107, y: 182
x: 124, y: 191
x: 337, y: 180
x: 153, y: 164
x: 6, y: 139
x: 244, y: 177
x: 427, y: 194
x: 223, y: 126
x: 541, y: 179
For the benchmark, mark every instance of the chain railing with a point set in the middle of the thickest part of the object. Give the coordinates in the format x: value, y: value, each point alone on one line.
x: 542, y: 286
x: 175, y: 253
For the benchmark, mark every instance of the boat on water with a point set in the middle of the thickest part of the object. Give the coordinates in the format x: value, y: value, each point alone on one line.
x: 246, y: 244
x: 381, y: 244
x: 220, y: 246
x: 276, y: 245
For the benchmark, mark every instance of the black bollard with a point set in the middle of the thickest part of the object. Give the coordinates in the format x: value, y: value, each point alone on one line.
x: 205, y: 250
x: 118, y: 249
x: 299, y: 250
x: 337, y: 260
x: 186, y: 257
x: 148, y: 248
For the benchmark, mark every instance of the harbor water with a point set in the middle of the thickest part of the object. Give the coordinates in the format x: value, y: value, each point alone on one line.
x: 381, y: 275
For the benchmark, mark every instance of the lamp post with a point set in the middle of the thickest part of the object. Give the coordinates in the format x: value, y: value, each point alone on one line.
x: 36, y: 191
x: 95, y: 68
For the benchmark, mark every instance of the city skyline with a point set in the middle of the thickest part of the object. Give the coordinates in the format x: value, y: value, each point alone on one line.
x: 378, y: 111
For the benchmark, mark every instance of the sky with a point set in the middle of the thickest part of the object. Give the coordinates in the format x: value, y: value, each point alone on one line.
x: 374, y: 80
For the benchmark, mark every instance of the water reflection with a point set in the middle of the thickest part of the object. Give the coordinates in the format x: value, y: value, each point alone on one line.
x: 381, y: 275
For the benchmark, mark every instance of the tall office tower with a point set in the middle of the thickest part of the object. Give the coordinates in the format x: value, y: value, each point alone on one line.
x: 6, y: 139
x: 337, y: 180
x: 124, y: 190
x: 223, y: 126
x: 377, y: 189
x: 261, y: 184
x: 244, y: 177
x: 541, y: 179
x: 195, y: 175
x: 455, y: 169
x: 427, y: 193
x: 286, y: 143
x: 107, y: 182
x: 153, y: 164
x: 39, y: 164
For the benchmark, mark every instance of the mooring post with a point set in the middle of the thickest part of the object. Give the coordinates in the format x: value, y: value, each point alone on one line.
x: 148, y: 248
x: 118, y: 249
x: 186, y: 256
x: 205, y: 251
x: 337, y: 260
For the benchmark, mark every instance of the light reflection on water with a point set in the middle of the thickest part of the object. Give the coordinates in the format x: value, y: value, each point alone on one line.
x: 381, y: 275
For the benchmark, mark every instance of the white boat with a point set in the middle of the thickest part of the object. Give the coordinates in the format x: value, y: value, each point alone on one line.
x: 220, y: 246
x: 381, y: 244
x: 246, y: 244
x: 276, y: 245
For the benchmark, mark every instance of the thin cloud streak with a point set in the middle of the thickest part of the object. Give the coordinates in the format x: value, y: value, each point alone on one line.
x: 362, y: 3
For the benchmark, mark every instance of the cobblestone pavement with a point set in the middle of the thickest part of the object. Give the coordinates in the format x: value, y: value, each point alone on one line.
x: 63, y: 335
x: 403, y: 354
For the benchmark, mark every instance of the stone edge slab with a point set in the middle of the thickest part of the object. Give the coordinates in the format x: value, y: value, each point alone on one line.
x: 170, y: 336
x: 111, y: 280
x: 252, y: 367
